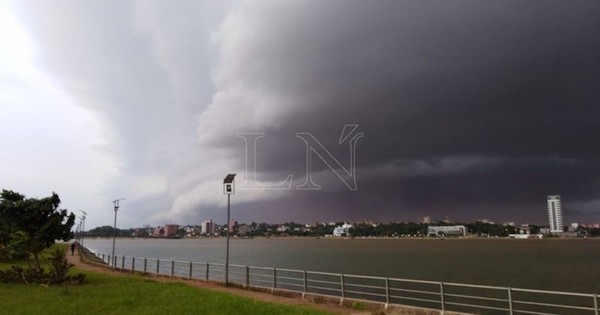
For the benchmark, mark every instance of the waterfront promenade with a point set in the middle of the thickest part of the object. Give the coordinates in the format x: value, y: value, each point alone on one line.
x: 388, y: 293
x: 332, y: 308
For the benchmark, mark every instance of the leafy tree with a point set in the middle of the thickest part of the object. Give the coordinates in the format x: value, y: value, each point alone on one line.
x: 33, y: 224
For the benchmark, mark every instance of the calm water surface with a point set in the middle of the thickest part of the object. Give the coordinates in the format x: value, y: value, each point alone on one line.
x: 552, y: 264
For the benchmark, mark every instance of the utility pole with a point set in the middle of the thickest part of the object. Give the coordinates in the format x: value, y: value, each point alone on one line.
x: 116, y: 207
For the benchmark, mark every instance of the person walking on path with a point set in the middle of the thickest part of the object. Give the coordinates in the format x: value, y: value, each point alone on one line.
x: 72, y: 249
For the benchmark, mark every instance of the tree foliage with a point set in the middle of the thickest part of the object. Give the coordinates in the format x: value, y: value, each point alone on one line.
x: 30, y: 225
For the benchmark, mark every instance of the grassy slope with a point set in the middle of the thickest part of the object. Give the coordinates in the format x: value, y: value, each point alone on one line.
x: 106, y: 294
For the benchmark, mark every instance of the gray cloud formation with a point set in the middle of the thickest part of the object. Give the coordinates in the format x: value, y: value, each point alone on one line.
x: 470, y: 109
x: 145, y: 69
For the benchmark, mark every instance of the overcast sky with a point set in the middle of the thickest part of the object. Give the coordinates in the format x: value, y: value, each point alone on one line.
x: 469, y: 109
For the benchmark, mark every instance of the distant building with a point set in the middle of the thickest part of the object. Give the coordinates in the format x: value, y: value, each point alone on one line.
x: 159, y: 231
x: 555, y: 214
x: 342, y: 230
x: 573, y: 227
x: 459, y: 230
x: 426, y: 220
x: 524, y: 229
x: 526, y: 236
x: 233, y: 226
x: 191, y: 231
x: 524, y: 232
x: 171, y: 230
x: 244, y: 229
x: 208, y: 227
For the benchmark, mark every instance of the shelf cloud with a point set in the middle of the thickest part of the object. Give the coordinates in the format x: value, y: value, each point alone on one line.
x: 465, y: 109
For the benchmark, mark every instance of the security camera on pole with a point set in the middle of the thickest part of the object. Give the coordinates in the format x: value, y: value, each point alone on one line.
x: 228, y: 189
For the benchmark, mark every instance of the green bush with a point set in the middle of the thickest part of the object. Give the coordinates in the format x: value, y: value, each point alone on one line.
x: 59, y: 270
x: 58, y: 273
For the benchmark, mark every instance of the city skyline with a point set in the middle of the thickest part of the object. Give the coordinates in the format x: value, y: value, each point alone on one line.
x: 554, y: 220
x: 341, y: 110
x: 207, y: 226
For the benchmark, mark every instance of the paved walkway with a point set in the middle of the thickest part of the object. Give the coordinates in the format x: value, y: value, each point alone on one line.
x: 261, y: 296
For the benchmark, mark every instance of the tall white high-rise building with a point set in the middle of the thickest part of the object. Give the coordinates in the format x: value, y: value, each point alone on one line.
x: 208, y: 227
x: 555, y: 214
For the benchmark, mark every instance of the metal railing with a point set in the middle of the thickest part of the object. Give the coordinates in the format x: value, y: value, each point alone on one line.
x: 443, y: 296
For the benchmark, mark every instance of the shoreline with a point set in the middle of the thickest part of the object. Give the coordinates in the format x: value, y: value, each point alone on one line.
x: 470, y: 238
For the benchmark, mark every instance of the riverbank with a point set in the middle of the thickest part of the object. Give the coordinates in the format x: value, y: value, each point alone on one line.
x: 287, y: 305
x: 424, y: 238
x: 362, y: 291
x: 110, y: 292
x: 494, y: 262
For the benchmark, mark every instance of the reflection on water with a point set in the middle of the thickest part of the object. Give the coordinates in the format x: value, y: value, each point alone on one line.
x: 565, y: 265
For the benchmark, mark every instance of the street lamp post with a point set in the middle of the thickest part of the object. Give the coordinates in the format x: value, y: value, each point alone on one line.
x: 116, y: 206
x: 77, y: 229
x: 78, y: 239
x: 228, y: 189
x: 83, y: 226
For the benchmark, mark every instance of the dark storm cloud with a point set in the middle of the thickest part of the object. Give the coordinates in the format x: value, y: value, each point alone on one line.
x: 469, y: 108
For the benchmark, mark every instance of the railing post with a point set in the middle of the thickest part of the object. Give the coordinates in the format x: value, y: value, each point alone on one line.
x: 172, y: 268
x: 274, y: 280
x: 190, y: 270
x: 442, y: 297
x: 109, y: 261
x: 132, y: 264
x: 145, y: 264
x: 207, y: 269
x: 305, y: 283
x: 595, y: 304
x: 123, y: 262
x: 343, y: 289
x: 157, y: 267
x: 510, y: 302
x: 387, y: 292
x: 247, y: 276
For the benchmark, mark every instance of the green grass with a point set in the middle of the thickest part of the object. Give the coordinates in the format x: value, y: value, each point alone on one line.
x: 106, y: 294
x: 132, y: 294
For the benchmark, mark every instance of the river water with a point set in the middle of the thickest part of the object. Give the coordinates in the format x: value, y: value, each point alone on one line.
x: 550, y: 264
